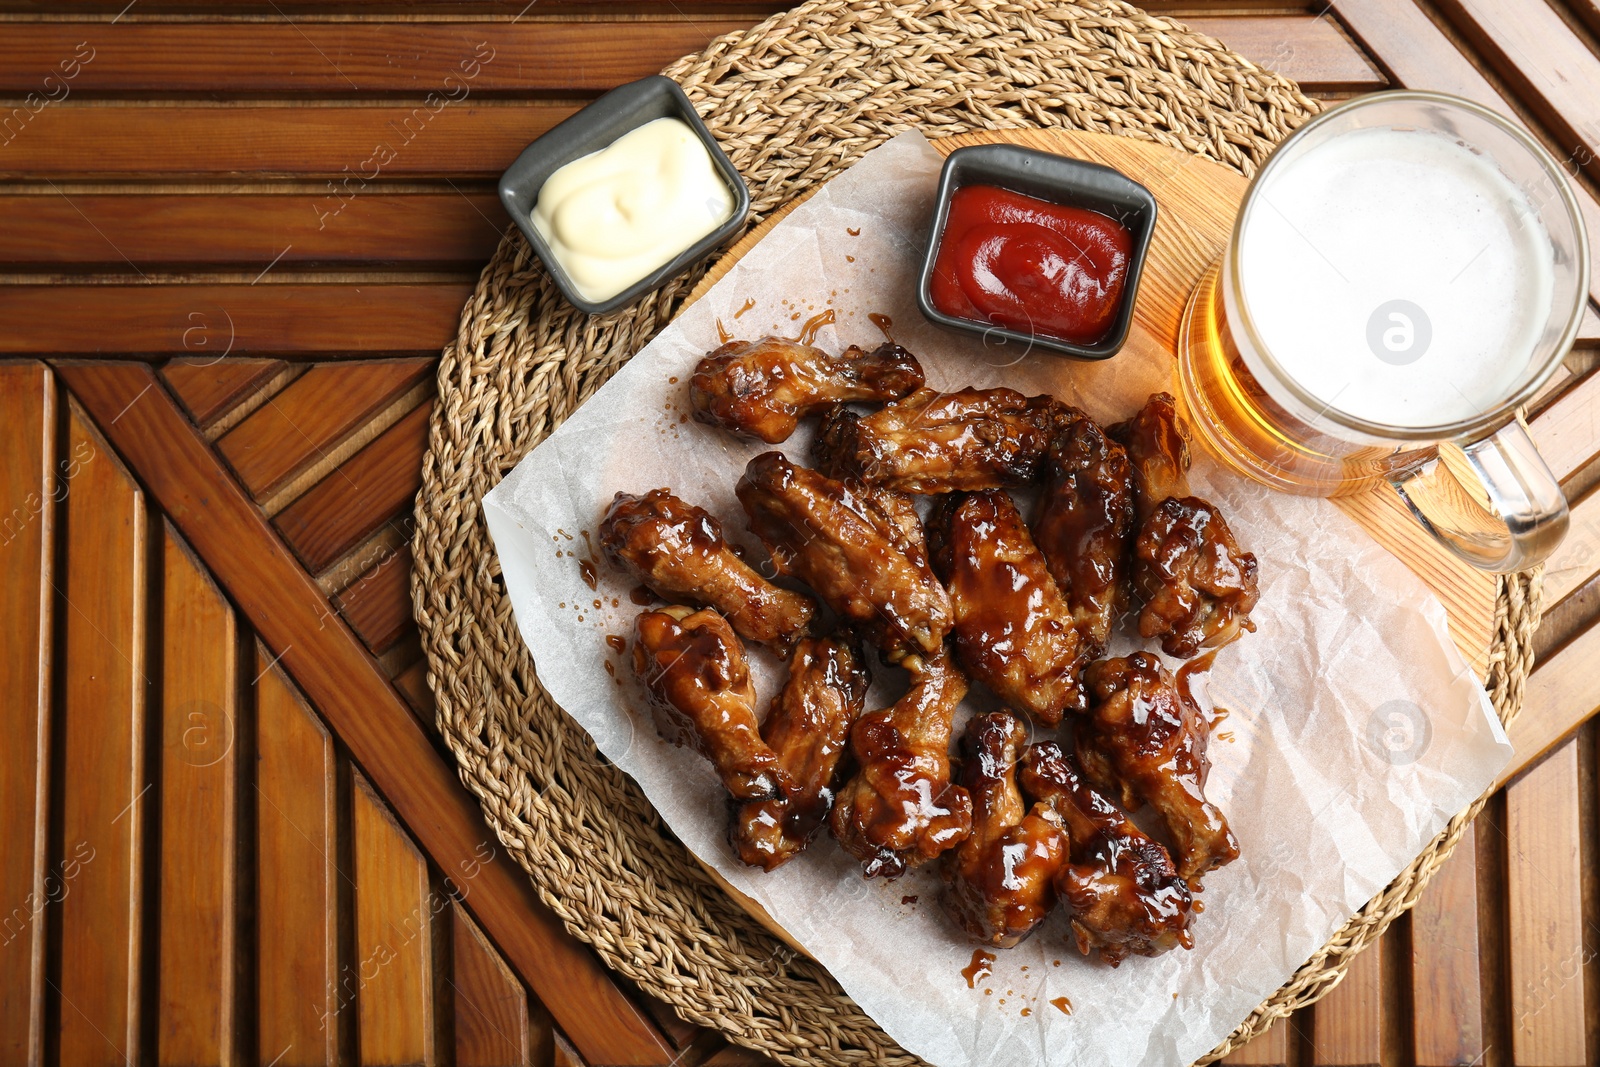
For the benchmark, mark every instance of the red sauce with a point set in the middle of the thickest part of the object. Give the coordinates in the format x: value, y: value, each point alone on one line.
x: 1027, y: 264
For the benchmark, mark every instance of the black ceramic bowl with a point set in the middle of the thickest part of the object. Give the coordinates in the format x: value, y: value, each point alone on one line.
x: 620, y: 111
x: 1059, y: 180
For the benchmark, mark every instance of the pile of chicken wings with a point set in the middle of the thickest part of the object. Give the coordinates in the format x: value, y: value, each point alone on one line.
x: 975, y: 594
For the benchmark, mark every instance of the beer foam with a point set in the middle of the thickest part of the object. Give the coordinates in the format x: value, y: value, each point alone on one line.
x: 1398, y: 276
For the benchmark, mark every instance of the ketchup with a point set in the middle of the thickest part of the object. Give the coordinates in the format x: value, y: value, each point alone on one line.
x: 1030, y: 265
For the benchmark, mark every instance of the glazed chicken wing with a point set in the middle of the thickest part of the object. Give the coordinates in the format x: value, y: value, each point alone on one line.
x: 1147, y: 744
x: 933, y: 442
x: 764, y: 388
x: 1198, y: 588
x: 693, y: 666
x: 863, y: 563
x: 1013, y: 630
x: 1001, y: 879
x: 808, y: 727
x: 1120, y: 889
x: 1082, y: 524
x: 901, y: 808
x: 678, y: 551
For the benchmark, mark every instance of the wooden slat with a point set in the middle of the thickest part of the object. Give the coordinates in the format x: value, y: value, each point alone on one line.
x: 340, y: 142
x: 1545, y: 908
x: 395, y: 916
x: 1347, y: 1026
x: 209, y: 386
x: 330, y: 320
x: 1552, y: 72
x: 1447, y: 1025
x: 1568, y: 432
x: 491, y: 1007
x: 413, y: 685
x: 315, y: 412
x: 1308, y: 48
x: 297, y: 901
x: 348, y: 505
x: 285, y: 606
x: 27, y: 602
x: 1419, y: 56
x: 378, y: 605
x: 199, y: 900
x: 348, y: 58
x: 1578, y: 558
x: 103, y: 689
x: 1271, y: 1049
x: 172, y: 231
x: 1562, y: 692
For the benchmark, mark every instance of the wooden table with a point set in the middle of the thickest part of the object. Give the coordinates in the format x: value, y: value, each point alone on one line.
x: 230, y: 832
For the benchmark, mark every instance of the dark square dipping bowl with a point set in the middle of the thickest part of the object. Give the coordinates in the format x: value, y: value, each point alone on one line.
x: 1058, y: 180
x: 620, y: 111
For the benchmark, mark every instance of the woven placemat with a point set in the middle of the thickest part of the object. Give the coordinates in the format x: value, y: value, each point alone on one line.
x: 793, y: 101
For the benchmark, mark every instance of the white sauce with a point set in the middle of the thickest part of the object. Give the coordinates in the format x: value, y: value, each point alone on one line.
x: 614, y: 216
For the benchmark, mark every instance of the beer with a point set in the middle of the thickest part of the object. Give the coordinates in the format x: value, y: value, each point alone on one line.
x: 1388, y: 279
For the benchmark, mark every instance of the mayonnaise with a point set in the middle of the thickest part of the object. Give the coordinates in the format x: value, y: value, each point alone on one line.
x: 613, y: 216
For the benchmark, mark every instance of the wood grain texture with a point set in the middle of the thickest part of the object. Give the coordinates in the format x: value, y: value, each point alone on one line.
x: 378, y: 605
x: 197, y: 1011
x: 285, y: 606
x: 351, y: 144
x: 352, y: 58
x: 102, y: 730
x: 209, y: 386
x: 336, y: 320
x: 310, y: 416
x: 1568, y: 431
x: 1199, y: 199
x: 1270, y: 1049
x: 1418, y: 56
x: 28, y: 492
x: 362, y: 495
x: 299, y: 996
x: 1577, y: 559
x: 1545, y: 909
x: 1347, y: 1027
x: 1563, y: 691
x: 1447, y: 1023
x: 1308, y: 48
x: 210, y: 231
x: 491, y: 1007
x: 395, y: 915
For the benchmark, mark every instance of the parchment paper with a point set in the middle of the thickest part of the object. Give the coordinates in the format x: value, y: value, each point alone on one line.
x: 1354, y: 730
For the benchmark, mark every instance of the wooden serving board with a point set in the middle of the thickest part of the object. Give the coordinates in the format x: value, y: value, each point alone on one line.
x: 1198, y: 200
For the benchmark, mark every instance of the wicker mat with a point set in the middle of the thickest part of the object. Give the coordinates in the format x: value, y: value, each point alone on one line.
x: 794, y: 101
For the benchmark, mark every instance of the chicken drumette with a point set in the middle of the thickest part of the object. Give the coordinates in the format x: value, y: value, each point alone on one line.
x: 867, y: 565
x: 1120, y: 890
x: 933, y: 442
x: 764, y: 388
x: 693, y: 667
x: 1001, y: 879
x: 678, y: 551
x: 1013, y: 630
x: 901, y: 808
x: 1144, y: 743
x: 1082, y: 524
x: 808, y: 727
x: 1197, y: 587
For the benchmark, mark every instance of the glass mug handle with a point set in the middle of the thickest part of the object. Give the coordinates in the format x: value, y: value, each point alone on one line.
x: 1526, y: 515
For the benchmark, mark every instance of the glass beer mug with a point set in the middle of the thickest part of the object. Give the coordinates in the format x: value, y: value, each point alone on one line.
x: 1406, y: 271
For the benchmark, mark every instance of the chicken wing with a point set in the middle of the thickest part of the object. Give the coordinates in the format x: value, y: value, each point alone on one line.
x: 1120, y: 890
x: 1001, y: 879
x: 1013, y: 629
x: 1197, y: 587
x: 901, y: 808
x: 693, y: 667
x: 678, y: 551
x: 860, y: 561
x: 808, y: 726
x: 1145, y: 743
x: 1082, y: 524
x: 764, y: 388
x: 933, y: 442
